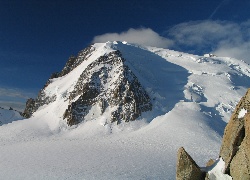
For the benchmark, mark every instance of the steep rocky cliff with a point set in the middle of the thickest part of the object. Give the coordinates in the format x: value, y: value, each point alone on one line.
x: 235, y: 148
x: 96, y: 86
x: 105, y: 83
x: 33, y: 104
x: 29, y: 108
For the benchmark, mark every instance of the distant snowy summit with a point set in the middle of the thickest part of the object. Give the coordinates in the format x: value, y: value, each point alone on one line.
x: 9, y: 115
x: 209, y: 55
x: 121, y: 82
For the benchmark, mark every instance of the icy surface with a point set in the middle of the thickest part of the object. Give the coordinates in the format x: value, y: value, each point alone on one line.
x: 216, y: 171
x: 242, y: 113
x: 192, y: 96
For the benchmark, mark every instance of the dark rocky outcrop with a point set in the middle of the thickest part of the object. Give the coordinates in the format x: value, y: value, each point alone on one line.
x: 73, y: 61
x: 124, y: 92
x: 235, y: 148
x: 29, y: 108
x: 187, y: 168
x: 240, y: 164
x: 105, y: 82
x: 33, y: 104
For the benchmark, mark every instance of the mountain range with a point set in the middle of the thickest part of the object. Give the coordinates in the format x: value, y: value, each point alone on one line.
x: 121, y: 111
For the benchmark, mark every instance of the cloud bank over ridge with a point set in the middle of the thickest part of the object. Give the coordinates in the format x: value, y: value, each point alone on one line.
x: 223, y: 38
x: 143, y: 36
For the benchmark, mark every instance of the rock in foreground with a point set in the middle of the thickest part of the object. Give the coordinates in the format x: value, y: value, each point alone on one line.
x: 235, y: 148
x: 186, y: 167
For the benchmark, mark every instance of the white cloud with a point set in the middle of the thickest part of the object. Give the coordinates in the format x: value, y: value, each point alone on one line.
x: 142, y: 36
x: 15, y: 105
x: 223, y: 38
x: 239, y: 51
x: 15, y: 93
x: 15, y: 98
x: 202, y: 32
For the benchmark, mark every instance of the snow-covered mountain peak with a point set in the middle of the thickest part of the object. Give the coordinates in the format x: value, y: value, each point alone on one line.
x: 100, y: 85
x: 98, y: 82
x: 107, y: 83
x: 134, y: 106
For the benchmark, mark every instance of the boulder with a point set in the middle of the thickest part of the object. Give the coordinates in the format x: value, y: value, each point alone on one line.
x: 210, y: 162
x: 186, y: 167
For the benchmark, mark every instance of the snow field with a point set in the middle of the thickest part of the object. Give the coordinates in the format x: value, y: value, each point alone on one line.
x: 192, y: 96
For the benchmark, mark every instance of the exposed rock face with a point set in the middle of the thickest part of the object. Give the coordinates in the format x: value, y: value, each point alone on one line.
x: 32, y: 105
x: 234, y: 132
x: 122, y: 92
x: 29, y: 108
x: 73, y: 61
x: 105, y: 83
x: 235, y: 148
x: 187, y: 168
x: 42, y: 98
x: 240, y: 164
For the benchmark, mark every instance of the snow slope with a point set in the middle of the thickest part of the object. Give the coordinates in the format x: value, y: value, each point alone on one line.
x: 192, y: 96
x: 8, y: 116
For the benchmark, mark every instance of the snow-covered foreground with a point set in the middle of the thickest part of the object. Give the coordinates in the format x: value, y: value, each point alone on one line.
x: 29, y: 150
x: 193, y: 98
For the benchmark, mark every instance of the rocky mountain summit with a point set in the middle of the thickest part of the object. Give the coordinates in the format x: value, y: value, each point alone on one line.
x: 123, y: 92
x: 106, y: 83
x: 234, y: 152
x: 120, y: 82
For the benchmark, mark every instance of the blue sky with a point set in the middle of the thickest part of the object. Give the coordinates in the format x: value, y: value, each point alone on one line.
x: 37, y: 37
